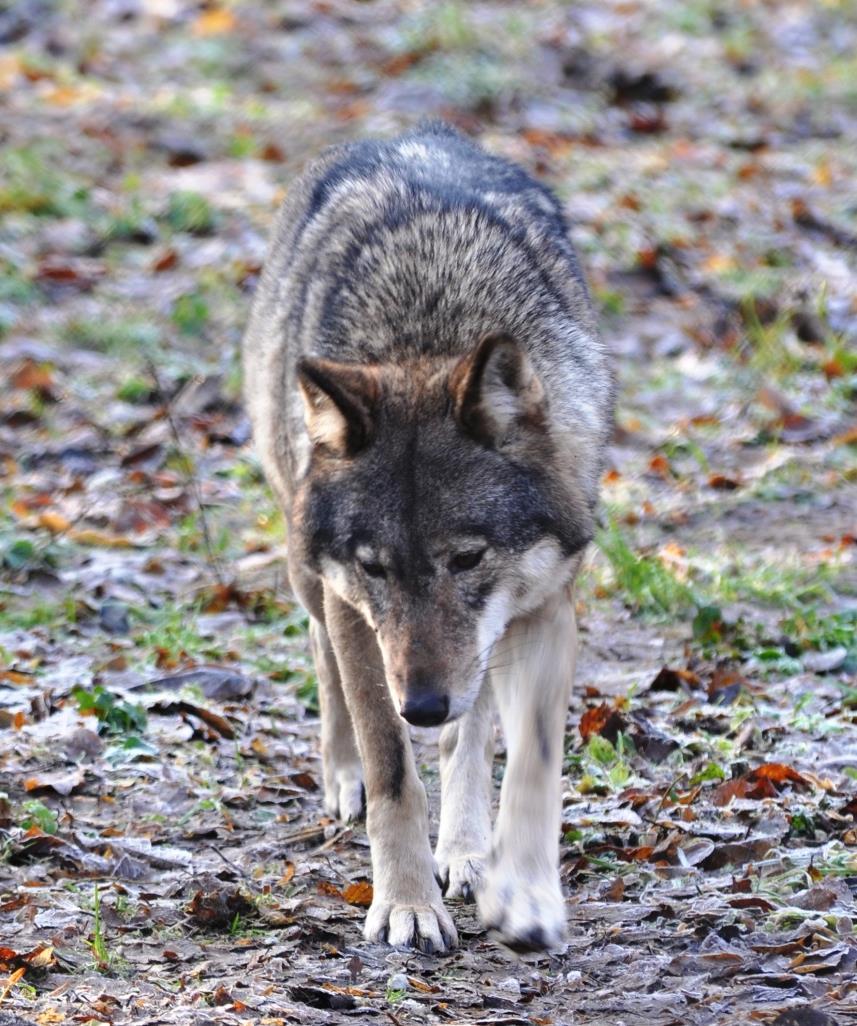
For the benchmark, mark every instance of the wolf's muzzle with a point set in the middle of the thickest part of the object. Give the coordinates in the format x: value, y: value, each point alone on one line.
x: 425, y: 709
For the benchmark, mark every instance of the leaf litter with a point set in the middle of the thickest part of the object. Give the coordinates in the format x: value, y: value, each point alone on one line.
x: 164, y: 855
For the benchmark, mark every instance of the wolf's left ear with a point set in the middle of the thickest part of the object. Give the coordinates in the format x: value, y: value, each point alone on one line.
x: 496, y: 392
x: 339, y: 400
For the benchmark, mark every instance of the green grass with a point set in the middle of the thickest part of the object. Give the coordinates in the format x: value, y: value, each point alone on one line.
x: 14, y: 286
x: 170, y: 635
x: 775, y: 585
x: 129, y: 222
x: 40, y: 614
x: 773, y: 350
x: 30, y: 184
x: 22, y: 553
x: 98, y: 943
x: 191, y: 313
x: 105, y: 960
x: 644, y: 581
x: 447, y: 27
x: 190, y: 212
x: 114, y: 715
x: 36, y: 813
x: 820, y: 632
x: 127, y: 336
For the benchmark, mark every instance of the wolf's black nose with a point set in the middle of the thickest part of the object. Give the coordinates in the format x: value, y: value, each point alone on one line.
x: 426, y: 709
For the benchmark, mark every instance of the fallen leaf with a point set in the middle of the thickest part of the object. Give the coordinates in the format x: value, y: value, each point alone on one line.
x: 61, y: 781
x: 669, y: 679
x: 359, y: 893
x: 758, y: 783
x: 216, y: 907
x: 214, y: 22
x: 601, y: 719
x: 41, y: 957
x: 55, y: 522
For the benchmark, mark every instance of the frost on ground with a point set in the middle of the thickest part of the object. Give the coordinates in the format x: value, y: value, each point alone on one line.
x: 164, y: 854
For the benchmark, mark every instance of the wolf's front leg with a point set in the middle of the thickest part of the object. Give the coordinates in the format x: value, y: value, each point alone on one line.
x: 340, y: 759
x: 464, y: 837
x: 407, y: 907
x: 533, y: 666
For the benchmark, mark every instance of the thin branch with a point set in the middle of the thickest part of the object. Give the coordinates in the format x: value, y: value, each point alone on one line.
x: 190, y: 478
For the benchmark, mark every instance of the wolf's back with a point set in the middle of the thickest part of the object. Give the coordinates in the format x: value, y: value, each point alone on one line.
x: 417, y: 246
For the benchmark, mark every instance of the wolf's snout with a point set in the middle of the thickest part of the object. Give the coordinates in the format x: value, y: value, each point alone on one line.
x: 425, y: 708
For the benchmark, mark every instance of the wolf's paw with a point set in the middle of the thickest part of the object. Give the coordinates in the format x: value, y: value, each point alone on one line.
x: 523, y: 915
x: 427, y: 928
x: 344, y: 794
x: 461, y: 876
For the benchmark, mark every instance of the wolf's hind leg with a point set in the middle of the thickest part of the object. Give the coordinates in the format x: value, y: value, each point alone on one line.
x: 521, y: 899
x: 407, y: 907
x: 340, y: 758
x: 464, y: 837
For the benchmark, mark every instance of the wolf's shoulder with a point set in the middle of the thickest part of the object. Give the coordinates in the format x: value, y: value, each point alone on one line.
x: 431, y: 166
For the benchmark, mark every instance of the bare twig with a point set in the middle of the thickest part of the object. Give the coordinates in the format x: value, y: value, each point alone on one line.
x: 190, y: 478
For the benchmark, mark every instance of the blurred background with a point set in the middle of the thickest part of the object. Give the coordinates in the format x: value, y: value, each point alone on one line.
x: 706, y: 154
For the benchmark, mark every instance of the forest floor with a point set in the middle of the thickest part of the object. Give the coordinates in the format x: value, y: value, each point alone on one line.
x: 164, y: 856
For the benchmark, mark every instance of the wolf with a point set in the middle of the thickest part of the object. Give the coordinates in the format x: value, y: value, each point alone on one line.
x: 431, y: 402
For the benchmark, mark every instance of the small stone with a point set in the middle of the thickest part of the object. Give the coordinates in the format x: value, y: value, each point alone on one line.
x: 510, y: 985
x: 113, y: 617
x: 825, y: 662
x: 574, y: 979
x: 398, y: 981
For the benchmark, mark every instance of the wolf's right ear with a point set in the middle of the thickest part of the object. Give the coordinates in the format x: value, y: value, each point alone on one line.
x: 496, y: 392
x: 339, y: 400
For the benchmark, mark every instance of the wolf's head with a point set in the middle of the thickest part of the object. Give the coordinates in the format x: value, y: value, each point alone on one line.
x: 438, y: 503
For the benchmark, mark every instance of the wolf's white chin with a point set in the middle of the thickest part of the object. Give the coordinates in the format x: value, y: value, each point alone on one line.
x: 462, y: 703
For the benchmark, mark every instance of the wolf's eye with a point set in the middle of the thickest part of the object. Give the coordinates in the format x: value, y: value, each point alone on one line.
x: 372, y: 569
x: 462, y: 561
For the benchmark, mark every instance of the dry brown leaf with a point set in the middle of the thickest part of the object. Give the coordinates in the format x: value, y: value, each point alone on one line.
x: 602, y: 719
x: 359, y: 893
x: 669, y: 679
x: 55, y: 522
x: 61, y: 782
x: 217, y: 21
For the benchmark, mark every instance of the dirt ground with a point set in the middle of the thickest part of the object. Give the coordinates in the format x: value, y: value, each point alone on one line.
x: 164, y: 856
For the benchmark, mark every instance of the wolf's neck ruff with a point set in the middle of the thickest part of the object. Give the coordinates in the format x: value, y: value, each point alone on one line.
x: 431, y: 403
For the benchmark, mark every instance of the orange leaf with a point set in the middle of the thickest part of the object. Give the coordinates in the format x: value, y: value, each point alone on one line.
x: 659, y: 464
x: 31, y: 375
x: 779, y: 773
x: 359, y: 893
x: 601, y: 719
x: 422, y: 986
x: 216, y: 22
x: 165, y: 261
x: 89, y: 536
x: 725, y: 792
x: 55, y: 522
x: 758, y: 783
x: 669, y: 679
x: 722, y: 678
x: 848, y: 437
x: 16, y: 677
x: 724, y: 482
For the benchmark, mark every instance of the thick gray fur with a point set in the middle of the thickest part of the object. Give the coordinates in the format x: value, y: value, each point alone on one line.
x: 422, y: 244
x: 432, y: 402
